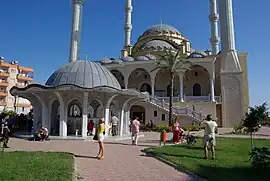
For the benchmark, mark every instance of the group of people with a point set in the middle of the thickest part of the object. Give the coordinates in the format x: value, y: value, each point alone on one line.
x: 113, y: 126
x: 41, y: 135
x: 210, y: 128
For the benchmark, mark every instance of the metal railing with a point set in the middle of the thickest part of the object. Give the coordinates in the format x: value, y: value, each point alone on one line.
x: 178, y: 111
x: 191, y: 98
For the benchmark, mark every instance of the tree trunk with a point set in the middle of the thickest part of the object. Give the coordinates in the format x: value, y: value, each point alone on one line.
x: 251, y: 141
x: 171, y: 99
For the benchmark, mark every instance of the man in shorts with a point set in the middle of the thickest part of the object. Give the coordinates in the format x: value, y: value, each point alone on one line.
x: 209, y: 140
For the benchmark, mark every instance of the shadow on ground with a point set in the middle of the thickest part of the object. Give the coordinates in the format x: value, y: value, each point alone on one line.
x: 83, y: 156
x: 213, y: 173
x: 126, y: 144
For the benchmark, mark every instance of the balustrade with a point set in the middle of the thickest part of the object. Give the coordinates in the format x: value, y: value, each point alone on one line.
x: 176, y: 110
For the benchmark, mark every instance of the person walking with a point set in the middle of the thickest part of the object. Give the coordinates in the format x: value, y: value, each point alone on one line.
x: 100, y: 138
x: 176, y: 132
x: 209, y: 140
x: 5, y: 132
x: 114, y: 123
x: 135, y: 129
x: 90, y: 127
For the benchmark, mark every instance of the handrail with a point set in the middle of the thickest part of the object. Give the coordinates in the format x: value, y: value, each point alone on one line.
x: 179, y: 111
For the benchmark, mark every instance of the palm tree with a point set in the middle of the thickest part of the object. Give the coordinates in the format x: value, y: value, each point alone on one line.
x: 254, y: 118
x: 174, y: 62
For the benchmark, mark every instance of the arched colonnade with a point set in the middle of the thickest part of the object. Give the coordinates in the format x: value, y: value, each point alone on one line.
x: 64, y: 112
x: 198, y: 81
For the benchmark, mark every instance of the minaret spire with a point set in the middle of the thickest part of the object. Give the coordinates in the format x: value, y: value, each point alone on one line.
x: 213, y: 18
x: 128, y: 27
x: 77, y: 10
x: 230, y: 61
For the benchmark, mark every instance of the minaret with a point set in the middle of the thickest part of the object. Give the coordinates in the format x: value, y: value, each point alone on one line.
x: 213, y: 18
x: 231, y: 76
x: 231, y: 64
x: 128, y: 27
x: 77, y: 10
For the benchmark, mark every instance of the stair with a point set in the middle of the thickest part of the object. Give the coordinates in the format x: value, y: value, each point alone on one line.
x: 176, y: 110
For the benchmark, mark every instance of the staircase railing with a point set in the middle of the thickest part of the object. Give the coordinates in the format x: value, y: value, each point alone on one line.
x: 176, y: 110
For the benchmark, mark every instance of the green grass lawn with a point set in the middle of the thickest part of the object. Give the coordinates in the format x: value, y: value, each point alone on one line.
x: 32, y: 166
x: 232, y: 159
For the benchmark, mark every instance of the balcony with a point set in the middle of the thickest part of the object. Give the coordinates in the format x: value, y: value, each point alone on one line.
x: 22, y: 105
x: 3, y: 84
x: 24, y: 77
x: 3, y: 93
x: 191, y: 99
x: 4, y: 74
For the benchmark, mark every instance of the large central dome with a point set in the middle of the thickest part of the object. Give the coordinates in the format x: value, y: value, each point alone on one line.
x: 85, y: 74
x: 161, y: 28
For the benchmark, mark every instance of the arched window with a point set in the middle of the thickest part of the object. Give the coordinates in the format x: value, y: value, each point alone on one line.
x: 163, y: 117
x: 74, y: 111
x: 197, y: 90
x: 155, y: 113
x: 146, y: 88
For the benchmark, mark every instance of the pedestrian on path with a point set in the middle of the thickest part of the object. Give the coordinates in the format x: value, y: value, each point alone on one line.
x: 114, y: 123
x: 100, y: 138
x: 135, y: 129
x: 176, y: 132
x: 209, y: 140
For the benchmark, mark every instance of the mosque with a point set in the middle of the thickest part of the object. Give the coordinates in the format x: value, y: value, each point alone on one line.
x: 81, y: 90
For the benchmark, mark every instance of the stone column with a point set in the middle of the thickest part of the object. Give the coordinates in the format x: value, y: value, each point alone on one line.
x: 153, y: 86
x: 122, y: 121
x: 107, y: 119
x: 45, y: 115
x: 181, y: 78
x: 127, y: 116
x: 63, y: 121
x: 84, y: 114
x: 212, y: 89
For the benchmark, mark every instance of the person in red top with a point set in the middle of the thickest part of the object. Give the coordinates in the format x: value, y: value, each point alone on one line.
x: 90, y: 127
x: 176, y: 132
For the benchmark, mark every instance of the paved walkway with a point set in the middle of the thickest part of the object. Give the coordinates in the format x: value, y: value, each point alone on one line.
x: 122, y: 161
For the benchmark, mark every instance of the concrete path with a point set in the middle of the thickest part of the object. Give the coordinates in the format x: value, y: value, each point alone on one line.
x: 122, y: 161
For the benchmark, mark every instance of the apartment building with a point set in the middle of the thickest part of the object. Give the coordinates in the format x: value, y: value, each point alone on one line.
x: 13, y: 74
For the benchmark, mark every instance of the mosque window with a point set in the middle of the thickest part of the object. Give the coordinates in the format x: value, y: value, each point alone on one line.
x: 74, y: 111
x: 145, y: 76
x: 197, y: 90
x: 155, y: 113
x: 163, y: 117
x: 196, y: 74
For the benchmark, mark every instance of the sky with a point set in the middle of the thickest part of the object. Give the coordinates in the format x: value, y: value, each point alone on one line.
x: 36, y: 33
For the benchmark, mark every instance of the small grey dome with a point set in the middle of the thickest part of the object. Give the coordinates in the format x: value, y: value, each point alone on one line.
x: 161, y: 28
x: 106, y: 61
x: 145, y: 57
x: 197, y: 54
x: 85, y: 74
x: 157, y: 44
x: 142, y: 58
x: 128, y: 59
x: 117, y: 61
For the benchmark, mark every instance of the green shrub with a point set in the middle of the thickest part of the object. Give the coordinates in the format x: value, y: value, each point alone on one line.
x: 192, y: 128
x: 239, y: 129
x: 8, y: 113
x: 160, y: 128
x: 260, y: 158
